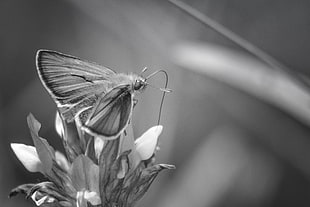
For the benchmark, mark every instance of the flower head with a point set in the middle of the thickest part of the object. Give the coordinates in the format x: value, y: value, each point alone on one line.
x: 94, y: 172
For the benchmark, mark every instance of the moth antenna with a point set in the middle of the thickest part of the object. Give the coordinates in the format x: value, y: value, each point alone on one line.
x: 163, y: 97
x: 143, y: 70
x: 164, y: 90
x: 158, y: 71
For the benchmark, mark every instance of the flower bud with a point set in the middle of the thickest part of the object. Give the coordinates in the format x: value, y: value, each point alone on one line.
x: 28, y: 156
x: 146, y: 144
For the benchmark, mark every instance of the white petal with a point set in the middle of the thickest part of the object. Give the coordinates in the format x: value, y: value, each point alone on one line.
x: 44, y: 199
x: 99, y: 143
x: 28, y: 156
x: 59, y: 125
x: 62, y: 161
x: 92, y: 197
x: 146, y: 144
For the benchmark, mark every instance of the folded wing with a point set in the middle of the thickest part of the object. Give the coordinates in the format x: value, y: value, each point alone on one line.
x: 111, y: 114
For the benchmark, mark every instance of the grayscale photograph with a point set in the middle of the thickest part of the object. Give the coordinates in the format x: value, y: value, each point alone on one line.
x: 155, y: 103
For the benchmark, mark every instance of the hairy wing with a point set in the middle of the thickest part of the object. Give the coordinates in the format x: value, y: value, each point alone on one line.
x: 112, y: 113
x: 70, y: 80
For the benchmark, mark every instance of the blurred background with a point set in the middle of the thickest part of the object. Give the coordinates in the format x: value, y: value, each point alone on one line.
x: 236, y: 129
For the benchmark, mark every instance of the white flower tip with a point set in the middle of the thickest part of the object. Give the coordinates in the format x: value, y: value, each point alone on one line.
x: 62, y: 161
x: 28, y: 156
x: 44, y: 199
x: 158, y: 129
x: 92, y: 197
x: 59, y: 125
x: 146, y: 144
x: 99, y: 143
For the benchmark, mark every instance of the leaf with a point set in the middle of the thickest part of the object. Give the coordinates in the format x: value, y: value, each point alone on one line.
x: 45, y: 152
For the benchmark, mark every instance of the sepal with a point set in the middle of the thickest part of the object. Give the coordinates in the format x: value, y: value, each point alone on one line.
x: 45, y: 152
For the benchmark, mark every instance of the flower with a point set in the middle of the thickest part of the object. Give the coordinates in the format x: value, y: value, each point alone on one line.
x: 93, y: 172
x: 69, y: 183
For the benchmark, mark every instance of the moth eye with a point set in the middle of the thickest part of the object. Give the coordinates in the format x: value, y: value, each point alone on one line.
x: 137, y: 85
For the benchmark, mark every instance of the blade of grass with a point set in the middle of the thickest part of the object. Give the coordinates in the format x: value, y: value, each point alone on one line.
x: 246, y: 74
x: 246, y: 45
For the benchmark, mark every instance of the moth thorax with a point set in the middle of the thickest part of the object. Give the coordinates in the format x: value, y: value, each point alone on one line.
x: 139, y: 84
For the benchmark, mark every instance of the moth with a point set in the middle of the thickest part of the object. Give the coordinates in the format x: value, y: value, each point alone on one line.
x: 96, y: 97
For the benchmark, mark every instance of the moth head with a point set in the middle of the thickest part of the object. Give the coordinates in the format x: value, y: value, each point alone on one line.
x: 140, y: 83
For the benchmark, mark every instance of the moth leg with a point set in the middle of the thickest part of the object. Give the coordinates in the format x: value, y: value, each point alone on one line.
x: 135, y: 102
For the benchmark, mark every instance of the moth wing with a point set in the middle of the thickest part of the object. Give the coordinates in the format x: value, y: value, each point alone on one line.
x: 112, y: 113
x: 70, y: 80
